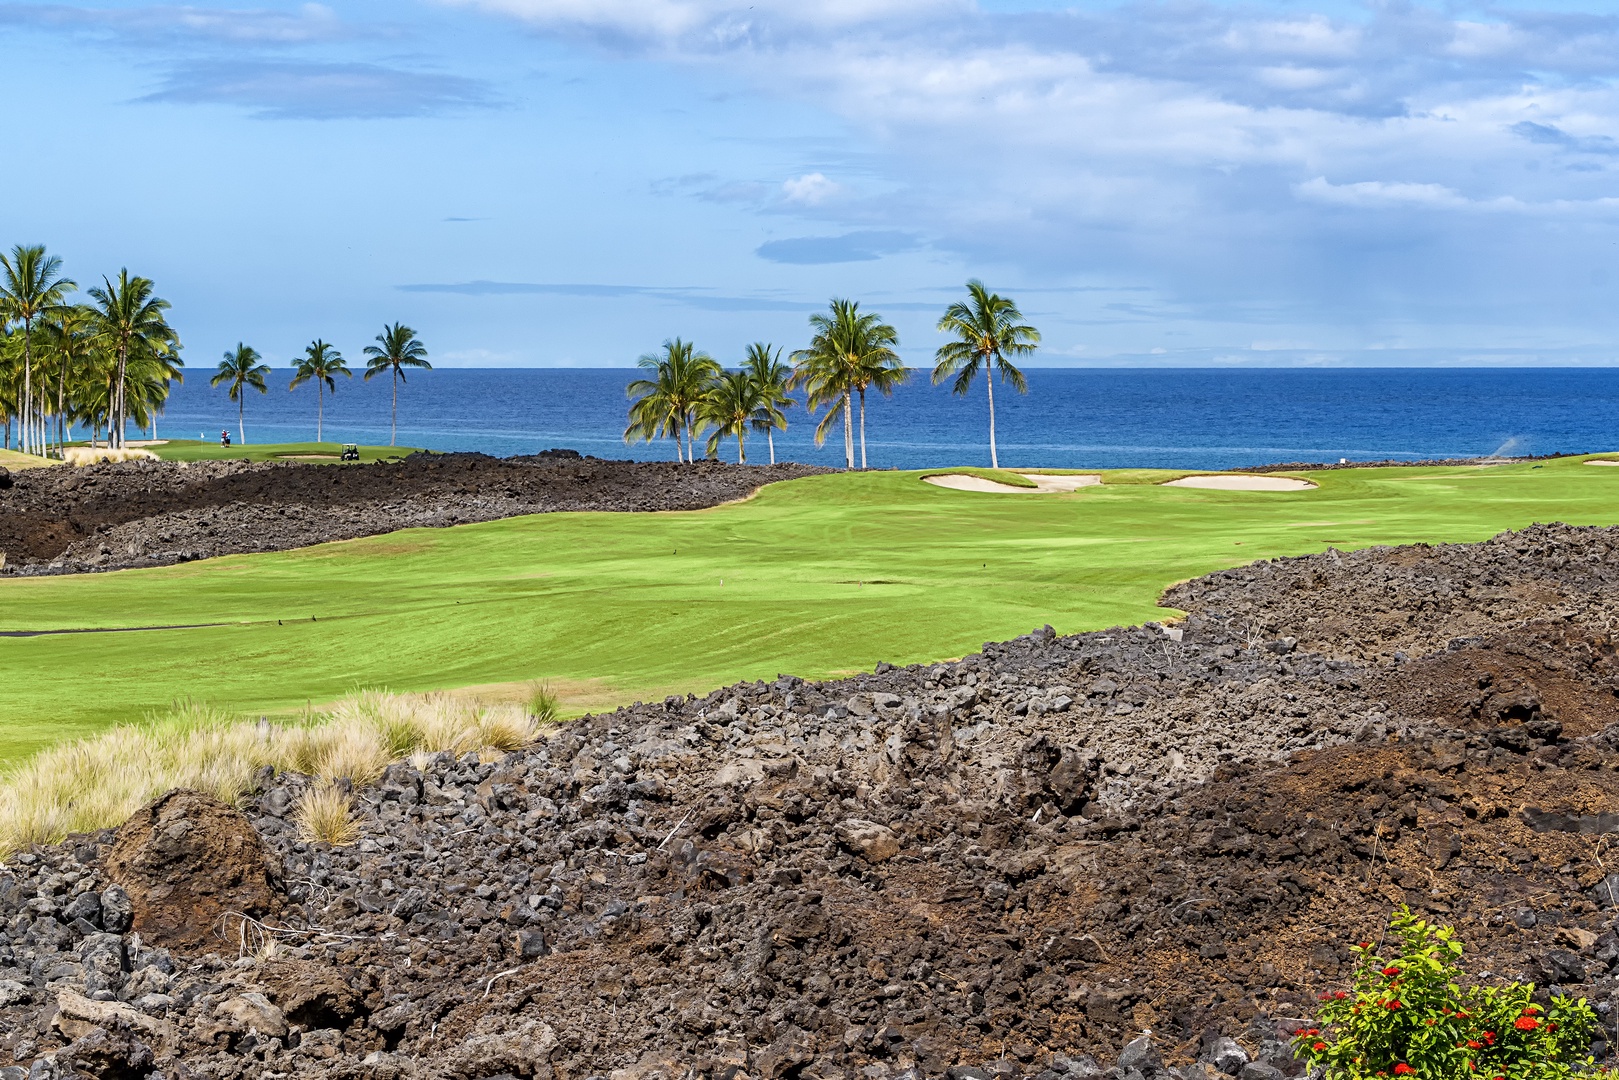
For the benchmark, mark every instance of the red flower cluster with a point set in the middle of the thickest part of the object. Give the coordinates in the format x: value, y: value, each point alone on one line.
x: 1526, y: 1023
x: 1402, y: 1069
x: 1391, y: 971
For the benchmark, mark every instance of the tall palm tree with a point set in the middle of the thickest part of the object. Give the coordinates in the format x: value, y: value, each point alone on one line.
x: 130, y: 318
x: 242, y: 371
x: 320, y: 362
x: 849, y: 353
x: 772, y: 377
x: 666, y: 404
x: 988, y: 329
x: 31, y: 287
x: 397, y: 348
x: 729, y: 407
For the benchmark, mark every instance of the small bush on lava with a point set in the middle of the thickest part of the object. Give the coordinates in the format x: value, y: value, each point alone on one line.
x: 1409, y: 1016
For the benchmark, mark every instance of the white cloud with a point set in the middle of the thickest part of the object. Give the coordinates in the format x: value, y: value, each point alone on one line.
x: 1381, y: 193
x: 811, y: 189
x: 716, y: 21
x: 1207, y: 148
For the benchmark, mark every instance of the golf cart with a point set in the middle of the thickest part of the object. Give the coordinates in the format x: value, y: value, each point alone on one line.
x: 351, y: 452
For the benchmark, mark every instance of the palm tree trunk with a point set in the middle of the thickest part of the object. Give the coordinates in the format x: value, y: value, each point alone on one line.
x: 393, y: 425
x: 848, y: 434
x: 61, y: 407
x: 27, y: 432
x: 862, y: 427
x: 989, y: 381
x: 770, y: 437
x: 115, y: 423
x: 741, y: 446
x: 241, y: 417
x: 319, y: 412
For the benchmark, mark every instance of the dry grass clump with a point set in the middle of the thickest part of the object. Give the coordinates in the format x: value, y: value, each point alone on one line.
x: 89, y: 455
x: 98, y: 782
x: 325, y: 813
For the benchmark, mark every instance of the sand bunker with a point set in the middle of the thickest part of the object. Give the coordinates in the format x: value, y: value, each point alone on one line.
x: 1042, y: 483
x: 1234, y: 482
x: 1054, y: 482
x: 1604, y: 461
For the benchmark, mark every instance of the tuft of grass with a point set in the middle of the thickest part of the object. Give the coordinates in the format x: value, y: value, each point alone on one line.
x: 98, y: 782
x: 89, y: 455
x: 543, y: 703
x: 325, y: 814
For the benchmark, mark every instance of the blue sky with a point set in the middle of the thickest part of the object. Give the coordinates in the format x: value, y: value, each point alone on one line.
x: 569, y: 182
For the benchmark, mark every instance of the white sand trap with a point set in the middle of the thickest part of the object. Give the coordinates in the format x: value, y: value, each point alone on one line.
x: 963, y: 482
x: 1053, y: 482
x: 1603, y: 462
x: 1043, y: 483
x: 1245, y: 482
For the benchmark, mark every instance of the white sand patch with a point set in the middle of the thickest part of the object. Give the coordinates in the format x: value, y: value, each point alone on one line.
x: 963, y: 482
x: 1042, y: 482
x: 1604, y: 462
x: 1245, y: 482
x: 1053, y: 482
x: 146, y: 442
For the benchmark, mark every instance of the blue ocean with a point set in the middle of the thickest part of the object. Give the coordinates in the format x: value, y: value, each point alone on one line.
x: 1070, y: 418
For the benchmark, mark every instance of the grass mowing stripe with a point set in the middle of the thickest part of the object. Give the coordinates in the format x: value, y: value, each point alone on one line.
x: 639, y: 605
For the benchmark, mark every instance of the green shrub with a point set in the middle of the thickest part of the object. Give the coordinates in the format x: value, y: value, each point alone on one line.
x: 1409, y: 1015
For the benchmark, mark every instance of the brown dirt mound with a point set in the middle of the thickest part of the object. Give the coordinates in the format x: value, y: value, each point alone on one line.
x: 188, y: 861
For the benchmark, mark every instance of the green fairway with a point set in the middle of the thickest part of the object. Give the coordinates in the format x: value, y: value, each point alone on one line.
x: 817, y: 576
x: 196, y: 450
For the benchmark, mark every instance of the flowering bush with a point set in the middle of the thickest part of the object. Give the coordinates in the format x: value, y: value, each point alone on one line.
x: 1409, y: 1016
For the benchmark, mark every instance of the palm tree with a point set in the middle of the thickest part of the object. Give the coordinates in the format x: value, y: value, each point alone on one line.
x: 666, y: 404
x: 320, y: 362
x: 988, y: 329
x: 849, y: 353
x: 399, y: 349
x: 772, y: 377
x: 730, y: 406
x: 31, y: 286
x: 130, y: 318
x: 242, y: 370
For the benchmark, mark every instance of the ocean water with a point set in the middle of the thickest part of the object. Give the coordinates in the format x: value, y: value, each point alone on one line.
x: 1071, y: 418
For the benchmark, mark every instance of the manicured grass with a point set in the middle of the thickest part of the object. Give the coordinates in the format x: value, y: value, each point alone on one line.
x: 14, y: 460
x: 818, y: 576
x: 195, y: 450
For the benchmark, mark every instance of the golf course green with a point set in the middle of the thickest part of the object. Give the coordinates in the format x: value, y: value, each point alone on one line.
x: 196, y: 450
x: 815, y: 577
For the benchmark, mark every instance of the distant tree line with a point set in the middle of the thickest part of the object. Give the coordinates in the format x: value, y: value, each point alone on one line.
x: 100, y: 364
x: 686, y: 393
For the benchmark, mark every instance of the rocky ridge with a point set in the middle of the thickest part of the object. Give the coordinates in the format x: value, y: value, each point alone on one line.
x: 153, y: 513
x: 1012, y: 865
